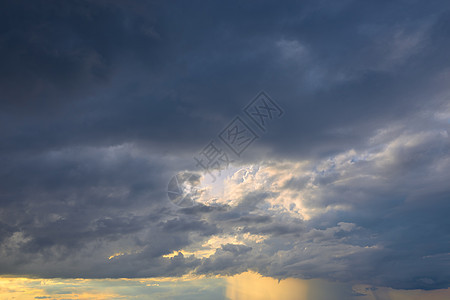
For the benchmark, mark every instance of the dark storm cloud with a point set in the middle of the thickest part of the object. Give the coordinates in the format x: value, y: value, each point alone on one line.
x: 101, y: 102
x: 168, y: 65
x: 53, y: 51
x: 201, y: 68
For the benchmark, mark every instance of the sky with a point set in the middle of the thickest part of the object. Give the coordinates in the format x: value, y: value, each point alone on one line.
x: 224, y: 149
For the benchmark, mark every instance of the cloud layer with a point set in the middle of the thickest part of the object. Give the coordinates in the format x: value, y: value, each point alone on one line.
x: 101, y: 103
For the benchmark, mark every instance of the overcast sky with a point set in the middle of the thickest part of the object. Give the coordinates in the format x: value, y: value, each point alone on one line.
x: 103, y: 102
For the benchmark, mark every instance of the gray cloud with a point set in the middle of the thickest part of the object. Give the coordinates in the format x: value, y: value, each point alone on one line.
x: 102, y: 102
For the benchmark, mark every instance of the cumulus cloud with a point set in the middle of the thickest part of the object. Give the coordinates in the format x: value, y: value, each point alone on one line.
x: 375, y: 215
